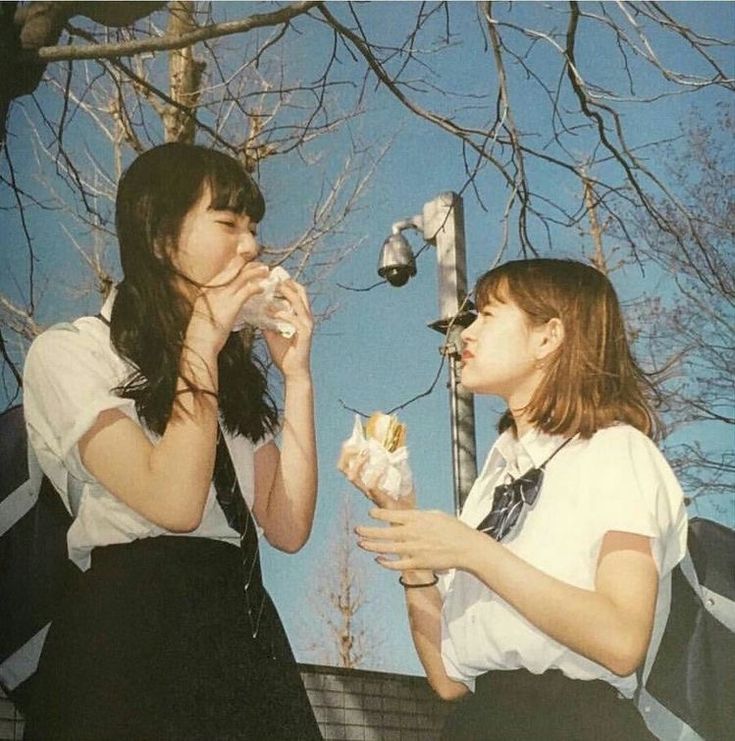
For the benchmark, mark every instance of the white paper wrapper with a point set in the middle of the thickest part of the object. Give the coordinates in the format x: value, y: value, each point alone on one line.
x: 386, y: 471
x: 255, y: 311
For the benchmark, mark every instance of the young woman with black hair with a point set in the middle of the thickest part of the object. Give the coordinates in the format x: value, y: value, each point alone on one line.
x: 536, y: 607
x: 154, y: 422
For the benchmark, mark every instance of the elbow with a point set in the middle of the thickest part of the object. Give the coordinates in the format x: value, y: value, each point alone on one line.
x: 292, y: 547
x: 287, y: 535
x: 624, y: 666
x: 182, y: 525
x: 290, y: 542
x: 182, y: 519
x: 448, y: 690
x: 625, y: 657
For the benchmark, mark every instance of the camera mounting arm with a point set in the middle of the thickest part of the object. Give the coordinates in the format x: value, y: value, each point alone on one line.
x: 415, y: 222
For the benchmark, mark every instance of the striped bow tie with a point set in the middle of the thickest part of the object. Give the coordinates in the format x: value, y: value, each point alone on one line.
x: 508, y: 500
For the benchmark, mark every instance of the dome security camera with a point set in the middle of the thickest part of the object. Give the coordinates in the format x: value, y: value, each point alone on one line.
x: 397, y: 263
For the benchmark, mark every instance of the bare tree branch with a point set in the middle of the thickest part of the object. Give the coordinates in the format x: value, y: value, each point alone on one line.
x: 172, y: 42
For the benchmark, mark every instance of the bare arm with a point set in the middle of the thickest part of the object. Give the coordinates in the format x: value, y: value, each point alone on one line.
x: 424, y: 604
x: 289, y: 475
x: 610, y: 624
x: 167, y: 483
x: 424, y: 618
x: 286, y: 480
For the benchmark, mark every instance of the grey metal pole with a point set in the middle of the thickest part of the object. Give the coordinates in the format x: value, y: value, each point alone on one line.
x: 443, y: 226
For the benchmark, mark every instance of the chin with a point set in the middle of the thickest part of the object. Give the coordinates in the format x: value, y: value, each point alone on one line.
x: 467, y: 382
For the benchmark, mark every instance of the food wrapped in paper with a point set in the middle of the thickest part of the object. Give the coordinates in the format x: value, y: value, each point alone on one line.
x: 257, y: 311
x: 386, y: 465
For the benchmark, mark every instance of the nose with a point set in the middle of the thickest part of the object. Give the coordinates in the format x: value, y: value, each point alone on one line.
x: 247, y: 246
x: 466, y: 333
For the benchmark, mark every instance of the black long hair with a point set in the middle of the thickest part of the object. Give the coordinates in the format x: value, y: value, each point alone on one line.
x: 150, y: 315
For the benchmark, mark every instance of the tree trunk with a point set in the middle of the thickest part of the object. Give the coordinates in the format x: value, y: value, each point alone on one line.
x: 185, y: 75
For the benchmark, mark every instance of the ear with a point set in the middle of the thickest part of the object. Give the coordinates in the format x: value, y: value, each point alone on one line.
x: 162, y: 250
x: 551, y: 338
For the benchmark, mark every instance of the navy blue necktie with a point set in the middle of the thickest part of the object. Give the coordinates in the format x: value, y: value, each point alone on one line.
x: 240, y: 519
x: 509, y: 499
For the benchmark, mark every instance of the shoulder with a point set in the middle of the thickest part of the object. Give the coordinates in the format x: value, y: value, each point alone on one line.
x: 623, y: 454
x: 621, y: 439
x: 83, y: 338
x: 620, y: 433
x: 621, y: 459
x: 72, y: 354
x: 635, y: 490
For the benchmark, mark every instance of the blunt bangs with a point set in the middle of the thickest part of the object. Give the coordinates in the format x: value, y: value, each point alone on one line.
x: 492, y: 286
x: 234, y: 190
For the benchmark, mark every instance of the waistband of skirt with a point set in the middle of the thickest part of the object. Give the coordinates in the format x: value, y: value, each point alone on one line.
x: 553, y: 685
x: 184, y: 550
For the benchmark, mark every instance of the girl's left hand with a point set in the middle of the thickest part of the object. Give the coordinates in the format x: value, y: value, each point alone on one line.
x: 421, y: 539
x: 291, y: 355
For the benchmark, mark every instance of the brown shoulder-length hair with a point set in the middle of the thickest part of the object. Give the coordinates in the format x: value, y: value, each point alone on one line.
x: 592, y: 380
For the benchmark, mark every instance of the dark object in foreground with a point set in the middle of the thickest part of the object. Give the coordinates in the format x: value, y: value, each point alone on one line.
x: 692, y: 682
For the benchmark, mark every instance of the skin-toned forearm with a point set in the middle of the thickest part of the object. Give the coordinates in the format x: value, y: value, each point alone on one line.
x: 424, y: 617
x: 167, y: 483
x: 290, y: 511
x: 610, y: 624
x: 182, y: 463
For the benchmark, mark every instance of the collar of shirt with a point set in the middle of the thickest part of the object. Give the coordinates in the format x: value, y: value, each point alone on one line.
x: 508, y: 456
x: 106, y: 310
x: 533, y: 449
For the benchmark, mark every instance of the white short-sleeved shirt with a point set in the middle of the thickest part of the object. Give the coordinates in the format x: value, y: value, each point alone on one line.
x: 69, y: 377
x: 616, y: 480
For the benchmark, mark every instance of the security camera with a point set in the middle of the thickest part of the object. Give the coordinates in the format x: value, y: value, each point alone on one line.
x: 397, y: 263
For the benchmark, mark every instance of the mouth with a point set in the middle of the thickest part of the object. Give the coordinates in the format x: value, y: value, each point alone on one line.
x: 466, y: 355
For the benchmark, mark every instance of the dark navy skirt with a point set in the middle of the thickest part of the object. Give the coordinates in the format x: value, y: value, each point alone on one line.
x: 520, y: 706
x: 156, y: 645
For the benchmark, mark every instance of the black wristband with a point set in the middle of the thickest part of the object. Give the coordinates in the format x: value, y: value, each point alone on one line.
x: 418, y: 586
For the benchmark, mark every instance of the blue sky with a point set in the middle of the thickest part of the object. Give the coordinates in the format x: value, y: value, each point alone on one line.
x: 376, y: 351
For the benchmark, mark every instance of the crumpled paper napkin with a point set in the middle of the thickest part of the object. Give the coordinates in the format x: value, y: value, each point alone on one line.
x: 386, y: 471
x: 255, y: 310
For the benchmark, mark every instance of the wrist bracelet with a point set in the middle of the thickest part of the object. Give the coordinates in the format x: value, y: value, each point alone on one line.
x: 405, y: 585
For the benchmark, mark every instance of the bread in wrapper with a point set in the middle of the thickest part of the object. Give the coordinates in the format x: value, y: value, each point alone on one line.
x: 255, y: 311
x: 383, y: 441
x: 387, y: 430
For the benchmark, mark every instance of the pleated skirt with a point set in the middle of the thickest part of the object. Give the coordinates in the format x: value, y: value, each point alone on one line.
x: 156, y: 644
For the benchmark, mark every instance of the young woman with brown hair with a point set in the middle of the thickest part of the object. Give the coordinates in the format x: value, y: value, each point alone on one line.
x: 536, y: 607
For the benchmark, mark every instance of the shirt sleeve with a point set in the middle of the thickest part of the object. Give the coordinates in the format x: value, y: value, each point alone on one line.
x: 634, y: 490
x: 68, y: 380
x: 267, y: 438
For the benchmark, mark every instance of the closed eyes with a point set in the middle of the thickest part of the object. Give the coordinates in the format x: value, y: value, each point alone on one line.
x: 230, y: 224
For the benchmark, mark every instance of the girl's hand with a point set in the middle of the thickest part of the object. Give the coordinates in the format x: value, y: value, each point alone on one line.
x: 217, y: 305
x: 292, y: 356
x: 351, y: 463
x: 429, y: 540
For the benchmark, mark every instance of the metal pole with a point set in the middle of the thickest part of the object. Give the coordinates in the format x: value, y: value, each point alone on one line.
x: 443, y: 226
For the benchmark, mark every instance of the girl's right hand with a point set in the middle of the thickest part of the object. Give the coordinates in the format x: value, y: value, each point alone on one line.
x: 351, y: 463
x: 217, y: 305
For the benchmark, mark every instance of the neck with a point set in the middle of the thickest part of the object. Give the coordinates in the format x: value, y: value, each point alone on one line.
x: 522, y: 425
x: 519, y: 400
